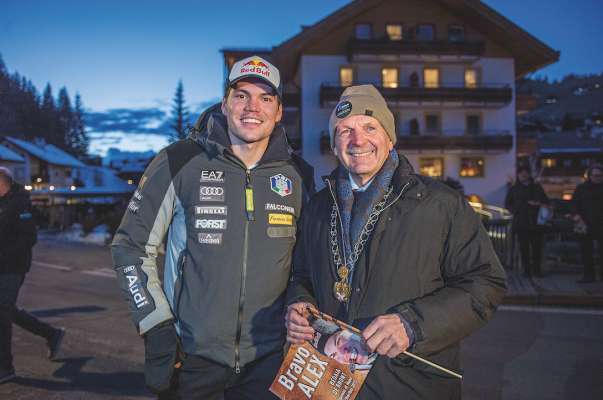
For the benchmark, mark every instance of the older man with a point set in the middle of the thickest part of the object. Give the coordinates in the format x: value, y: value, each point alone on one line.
x: 396, y: 254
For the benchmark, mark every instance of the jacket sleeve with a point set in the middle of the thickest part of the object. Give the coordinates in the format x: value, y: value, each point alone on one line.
x: 509, y: 203
x: 576, y: 203
x: 300, y: 283
x: 474, y: 285
x: 135, y: 244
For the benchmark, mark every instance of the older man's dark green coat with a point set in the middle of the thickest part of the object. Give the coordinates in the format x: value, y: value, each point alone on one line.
x: 429, y: 259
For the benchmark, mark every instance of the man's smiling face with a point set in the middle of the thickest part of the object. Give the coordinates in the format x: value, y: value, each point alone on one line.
x: 362, y: 146
x: 252, y: 110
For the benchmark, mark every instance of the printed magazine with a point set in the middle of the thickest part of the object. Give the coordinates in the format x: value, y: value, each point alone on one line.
x: 333, y: 365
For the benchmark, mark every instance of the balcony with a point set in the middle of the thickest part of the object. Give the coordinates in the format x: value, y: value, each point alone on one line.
x: 485, y: 141
x: 447, y: 94
x: 488, y: 141
x: 361, y: 49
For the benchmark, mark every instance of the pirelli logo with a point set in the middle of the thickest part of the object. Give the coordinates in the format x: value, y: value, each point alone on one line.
x: 211, y: 210
x: 280, y: 219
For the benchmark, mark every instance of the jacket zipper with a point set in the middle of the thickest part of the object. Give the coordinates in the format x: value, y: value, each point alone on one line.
x: 250, y: 211
x: 180, y: 277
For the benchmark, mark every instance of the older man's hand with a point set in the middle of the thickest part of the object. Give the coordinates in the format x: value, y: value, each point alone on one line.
x: 296, y: 322
x: 386, y: 335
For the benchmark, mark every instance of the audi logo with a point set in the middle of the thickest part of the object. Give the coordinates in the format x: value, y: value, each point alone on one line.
x: 212, y: 191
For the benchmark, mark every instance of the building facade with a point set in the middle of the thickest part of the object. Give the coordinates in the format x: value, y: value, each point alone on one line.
x: 446, y: 68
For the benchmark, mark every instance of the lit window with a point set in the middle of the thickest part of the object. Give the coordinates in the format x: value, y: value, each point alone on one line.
x: 425, y: 32
x: 473, y: 124
x: 346, y: 76
x: 433, y: 167
x: 456, y: 33
x: 472, y: 167
x: 389, y: 77
x: 394, y: 31
x: 548, y: 162
x: 432, y: 124
x: 431, y: 77
x: 470, y: 78
x: 364, y: 31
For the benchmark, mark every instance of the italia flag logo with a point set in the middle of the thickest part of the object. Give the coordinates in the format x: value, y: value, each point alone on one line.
x: 281, y: 185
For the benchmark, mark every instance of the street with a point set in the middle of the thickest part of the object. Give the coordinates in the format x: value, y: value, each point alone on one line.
x: 524, y: 353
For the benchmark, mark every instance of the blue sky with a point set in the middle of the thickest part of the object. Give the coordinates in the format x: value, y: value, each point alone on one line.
x: 130, y: 54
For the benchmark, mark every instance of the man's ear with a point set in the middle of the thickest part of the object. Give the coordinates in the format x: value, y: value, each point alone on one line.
x: 279, y: 114
x: 223, y: 106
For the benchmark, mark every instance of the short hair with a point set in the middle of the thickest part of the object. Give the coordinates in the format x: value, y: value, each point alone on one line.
x: 6, y: 175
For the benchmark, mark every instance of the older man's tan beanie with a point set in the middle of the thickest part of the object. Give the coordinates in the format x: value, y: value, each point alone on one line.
x: 362, y: 100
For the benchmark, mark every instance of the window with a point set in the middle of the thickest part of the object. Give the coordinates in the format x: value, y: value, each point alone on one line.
x: 425, y: 32
x: 431, y: 77
x: 432, y: 166
x: 389, y: 77
x: 471, y: 78
x: 456, y: 33
x: 548, y: 162
x: 432, y: 124
x: 473, y: 124
x: 394, y: 31
x: 346, y: 76
x: 364, y: 31
x: 472, y: 167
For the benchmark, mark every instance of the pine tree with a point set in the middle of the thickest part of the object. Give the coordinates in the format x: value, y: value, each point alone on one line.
x: 180, y: 114
x: 80, y: 140
x: 49, y: 121
x: 65, y: 120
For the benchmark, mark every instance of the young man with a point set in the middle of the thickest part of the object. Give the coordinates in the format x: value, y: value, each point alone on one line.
x: 398, y: 255
x: 17, y: 237
x: 228, y: 197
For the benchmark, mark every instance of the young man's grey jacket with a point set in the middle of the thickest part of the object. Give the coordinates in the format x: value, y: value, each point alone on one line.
x: 429, y: 259
x: 230, y: 239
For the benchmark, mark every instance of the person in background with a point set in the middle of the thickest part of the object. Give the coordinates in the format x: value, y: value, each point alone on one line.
x: 587, y: 204
x: 524, y: 200
x: 17, y: 237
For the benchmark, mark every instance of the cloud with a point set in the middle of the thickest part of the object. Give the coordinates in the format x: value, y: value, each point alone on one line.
x: 129, y: 120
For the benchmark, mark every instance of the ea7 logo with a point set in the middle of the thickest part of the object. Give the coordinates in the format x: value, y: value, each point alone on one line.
x: 212, y: 176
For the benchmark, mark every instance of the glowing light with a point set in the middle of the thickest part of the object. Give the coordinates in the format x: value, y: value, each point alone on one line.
x: 51, y: 187
x: 28, y: 187
x: 39, y: 180
x: 567, y: 196
x: 72, y: 187
x: 130, y: 182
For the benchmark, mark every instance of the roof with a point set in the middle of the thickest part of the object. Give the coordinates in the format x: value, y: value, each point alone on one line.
x: 7, y: 154
x: 530, y: 54
x: 47, y: 152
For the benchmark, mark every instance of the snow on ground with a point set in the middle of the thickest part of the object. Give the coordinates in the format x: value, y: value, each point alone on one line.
x: 99, y: 235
